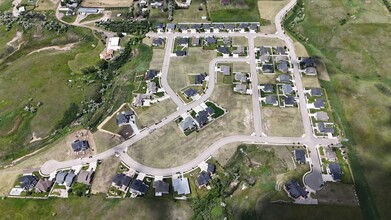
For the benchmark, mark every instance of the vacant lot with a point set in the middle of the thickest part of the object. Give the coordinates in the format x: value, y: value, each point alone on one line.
x: 241, y: 67
x: 197, y: 61
x: 174, y: 148
x: 260, y: 41
x: 241, y: 41
x: 157, y: 59
x: 337, y: 193
x: 104, y: 175
x: 268, y: 11
x: 105, y: 141
x: 44, y: 5
x: 149, y: 115
x: 238, y: 10
x: 310, y: 81
x: 264, y: 78
x: 284, y: 122
x: 107, y: 3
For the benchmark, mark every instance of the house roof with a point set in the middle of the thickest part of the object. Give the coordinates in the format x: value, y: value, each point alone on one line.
x: 161, y: 186
x: 226, y: 70
x: 121, y: 179
x: 85, y: 177
x: 295, y: 190
x: 299, y: 155
x: 151, y: 87
x: 60, y: 177
x: 281, y: 58
x: 321, y: 116
x: 196, y: 26
x: 243, y: 25
x: 240, y: 77
x: 283, y: 66
x: 201, y: 119
x: 319, y: 103
x: 229, y: 26
x: 27, y: 181
x: 268, y: 88
x: 183, y: 26
x: 198, y: 79
x: 241, y: 88
x: 139, y: 186
x: 330, y: 154
x: 284, y: 78
x: 181, y: 186
x: 264, y: 50
x: 80, y: 145
x: 182, y: 41
x: 206, y: 26
x: 218, y: 26
x: 223, y: 50
x: 203, y: 178
x: 265, y: 58
x: 210, y: 40
x: 158, y: 41
x: 271, y: 100
x: 180, y: 53
x: 170, y: 26
x: 87, y: 10
x: 210, y: 110
x: 316, y: 92
x: 43, y: 185
x: 289, y: 100
x: 281, y: 50
x: 323, y: 129
x: 150, y: 74
x: 190, y: 92
x: 186, y: 124
x: 195, y: 41
x: 121, y: 119
x: 140, y: 98
x: 254, y: 26
x: 287, y: 88
x: 307, y: 62
x: 69, y: 179
x: 335, y: 171
x: 267, y: 68
x: 158, y: 25
x: 211, y: 168
x: 310, y: 70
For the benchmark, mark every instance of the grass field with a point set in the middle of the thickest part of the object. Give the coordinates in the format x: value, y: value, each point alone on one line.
x: 149, y: 115
x: 261, y: 41
x: 241, y: 67
x: 237, y: 11
x: 242, y: 41
x: 353, y: 60
x: 268, y: 10
x: 5, y: 5
x: 157, y: 59
x: 104, y: 175
x: 192, y: 14
x: 164, y: 142
x: 284, y: 122
x: 107, y: 3
x: 197, y: 61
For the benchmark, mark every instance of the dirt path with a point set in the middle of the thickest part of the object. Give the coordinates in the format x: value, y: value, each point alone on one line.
x: 17, y: 38
x: 61, y: 48
x: 15, y: 11
x: 17, y: 123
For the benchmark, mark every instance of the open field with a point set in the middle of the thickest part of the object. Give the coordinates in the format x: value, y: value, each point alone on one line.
x: 107, y: 3
x: 310, y: 81
x: 337, y: 193
x: 241, y: 67
x: 96, y: 207
x: 284, y: 122
x: 261, y: 41
x: 5, y: 5
x: 241, y: 41
x: 265, y: 78
x: 104, y: 141
x: 359, y: 88
x: 192, y: 14
x: 149, y: 115
x: 157, y: 59
x: 44, y: 5
x: 197, y: 61
x: 104, y: 175
x: 237, y: 11
x: 268, y: 10
x: 174, y: 148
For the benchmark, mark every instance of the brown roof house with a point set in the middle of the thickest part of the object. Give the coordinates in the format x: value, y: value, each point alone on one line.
x: 43, y: 186
x: 85, y: 177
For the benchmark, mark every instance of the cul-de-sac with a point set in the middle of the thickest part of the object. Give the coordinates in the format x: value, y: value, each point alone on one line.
x: 195, y: 109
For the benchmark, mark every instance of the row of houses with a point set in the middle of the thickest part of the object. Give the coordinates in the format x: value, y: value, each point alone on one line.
x: 152, y: 79
x: 208, y: 27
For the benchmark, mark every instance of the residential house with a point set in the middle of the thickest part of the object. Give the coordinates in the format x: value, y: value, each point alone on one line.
x: 199, y: 79
x: 281, y: 51
x: 186, y: 124
x: 124, y: 117
x: 271, y: 100
x: 170, y: 27
x: 267, y: 68
x: 202, y: 118
x: 229, y: 27
x: 321, y: 116
x: 226, y: 70
x: 307, y: 62
x: 180, y: 53
x: 316, y: 92
x: 43, y: 186
x: 138, y: 188
x: 287, y: 89
x: 243, y: 27
x: 203, y: 179
x: 294, y: 190
x: 224, y: 51
x: 87, y: 11
x: 60, y: 177
x: 322, y: 128
x: 330, y: 153
x: 264, y: 50
x: 239, y: 51
x: 140, y: 99
x: 190, y: 92
x: 227, y: 41
x: 299, y: 156
x: 181, y: 186
x: 27, y: 182
x: 182, y: 41
x: 253, y: 27
x: 121, y: 181
x: 217, y: 27
x: 69, y: 179
x: 284, y: 78
x: 151, y: 87
x: 311, y: 71
x: 335, y: 170
x: 209, y: 41
x: 80, y: 145
x: 113, y: 44
x: 206, y: 28
x: 280, y: 59
x: 195, y: 27
x: 241, y: 88
x: 183, y: 27
x: 157, y: 42
x: 85, y: 177
x: 289, y: 101
x: 265, y: 58
x: 241, y: 77
x: 210, y: 111
x: 161, y: 187
x: 195, y: 41
x: 211, y: 169
x: 283, y: 67
x: 150, y: 74
x: 319, y: 103
x: 267, y: 88
x: 159, y: 27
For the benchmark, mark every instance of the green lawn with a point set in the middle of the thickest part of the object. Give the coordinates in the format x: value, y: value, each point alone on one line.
x: 88, y: 58
x: 246, y: 10
x: 92, y: 17
x: 5, y: 5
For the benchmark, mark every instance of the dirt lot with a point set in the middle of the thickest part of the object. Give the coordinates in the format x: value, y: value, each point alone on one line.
x: 154, y: 113
x: 242, y: 41
x: 261, y: 41
x: 173, y: 148
x: 157, y: 59
x: 268, y: 10
x: 310, y: 81
x: 300, y: 49
x: 105, y: 141
x: 337, y: 193
x: 107, y: 3
x: 197, y: 61
x: 282, y: 122
x: 225, y: 153
x: 241, y: 67
x: 104, y: 175
x: 264, y: 78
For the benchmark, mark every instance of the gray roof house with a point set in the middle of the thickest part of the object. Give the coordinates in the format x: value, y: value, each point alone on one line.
x: 161, y: 187
x: 210, y: 110
x: 170, y: 26
x: 28, y: 182
x: 80, y: 145
x: 289, y: 101
x: 283, y: 66
x: 229, y: 27
x: 295, y: 190
x: 241, y: 88
x: 151, y: 87
x: 243, y: 26
x: 181, y: 186
x: 203, y: 179
x: 183, y: 27
x: 157, y: 42
x: 190, y: 92
x: 299, y: 156
x: 123, y: 118
x: 186, y: 124
x: 211, y: 168
x: 210, y: 40
x: 307, y: 62
x: 281, y: 51
x: 60, y: 177
x: 199, y: 79
x: 310, y: 71
x: 138, y: 187
x: 223, y: 50
x: 265, y: 58
x: 240, y: 77
x: 284, y: 78
x: 267, y: 68
x: 121, y: 181
x: 181, y: 41
x: 218, y: 26
x: 264, y: 50
x: 335, y: 170
x: 83, y: 10
x: 150, y: 74
x: 85, y: 177
x: 267, y: 88
x: 271, y: 100
x: 319, y: 103
x: 195, y: 41
x: 180, y: 53
x: 196, y: 27
x: 279, y: 59
x: 43, y: 185
x: 316, y: 92
x: 287, y: 89
x: 202, y: 118
x: 323, y: 129
x: 254, y: 27
x: 329, y: 153
x: 140, y: 99
x: 206, y: 26
x: 69, y: 179
x: 226, y: 70
x: 321, y: 116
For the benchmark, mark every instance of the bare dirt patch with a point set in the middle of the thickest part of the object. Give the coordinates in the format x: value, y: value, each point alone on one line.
x: 149, y: 115
x: 261, y: 41
x: 282, y: 122
x: 268, y: 10
x: 310, y: 81
x: 157, y: 59
x: 104, y: 175
x: 107, y: 3
x: 265, y: 78
x: 105, y: 141
x: 59, y: 48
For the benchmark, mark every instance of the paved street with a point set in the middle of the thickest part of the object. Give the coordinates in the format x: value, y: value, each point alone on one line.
x: 313, y: 179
